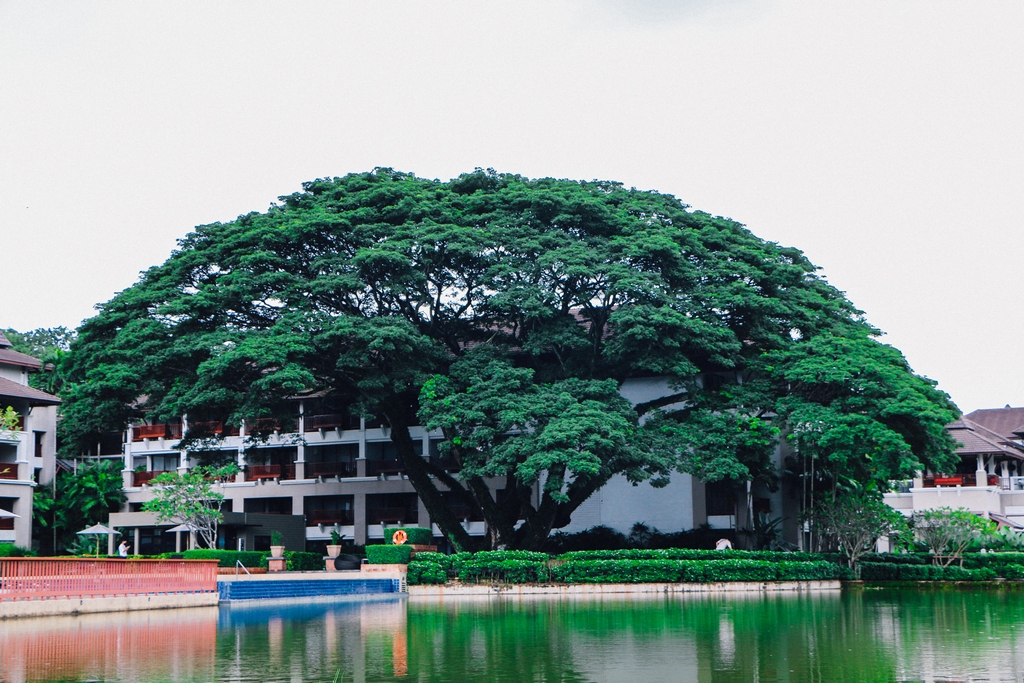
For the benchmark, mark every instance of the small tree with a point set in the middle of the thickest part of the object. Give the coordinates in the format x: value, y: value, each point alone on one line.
x: 189, y: 498
x: 854, y: 521
x: 8, y: 420
x: 948, y: 532
x: 75, y: 500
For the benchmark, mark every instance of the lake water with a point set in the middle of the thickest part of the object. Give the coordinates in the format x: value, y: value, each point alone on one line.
x: 857, y: 636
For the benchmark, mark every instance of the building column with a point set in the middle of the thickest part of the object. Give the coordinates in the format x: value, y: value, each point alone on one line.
x: 981, y: 474
x: 128, y: 460
x: 359, y: 517
x: 240, y: 460
x: 135, y: 541
x: 422, y: 513
x: 300, y: 447
x: 361, y: 458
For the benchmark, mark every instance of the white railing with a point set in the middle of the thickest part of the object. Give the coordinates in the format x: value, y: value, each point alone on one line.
x: 1012, y: 483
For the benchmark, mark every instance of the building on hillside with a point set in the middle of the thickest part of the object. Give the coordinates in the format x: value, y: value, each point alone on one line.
x: 28, y: 453
x: 989, y: 477
x: 340, y: 472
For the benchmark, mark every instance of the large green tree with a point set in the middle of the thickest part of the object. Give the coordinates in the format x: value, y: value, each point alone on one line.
x: 505, y: 311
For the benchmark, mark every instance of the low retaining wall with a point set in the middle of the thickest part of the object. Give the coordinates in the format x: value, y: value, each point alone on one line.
x: 72, y: 606
x: 457, y: 590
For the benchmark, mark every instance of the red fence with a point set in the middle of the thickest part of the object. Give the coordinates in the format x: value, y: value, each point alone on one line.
x: 49, y: 578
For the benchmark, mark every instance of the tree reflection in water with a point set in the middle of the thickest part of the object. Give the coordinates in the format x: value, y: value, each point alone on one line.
x: 908, y: 635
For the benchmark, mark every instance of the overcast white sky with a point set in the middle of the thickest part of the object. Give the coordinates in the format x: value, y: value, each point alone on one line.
x: 883, y: 138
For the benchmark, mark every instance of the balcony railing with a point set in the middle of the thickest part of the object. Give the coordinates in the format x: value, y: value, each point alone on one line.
x: 8, y: 470
x: 317, y: 517
x: 213, y: 428
x: 157, y: 431
x: 263, y: 425
x: 939, y: 480
x: 313, y: 423
x: 390, y: 516
x: 140, y: 478
x: 140, y: 432
x: 330, y: 469
x: 377, y: 467
x: 283, y: 472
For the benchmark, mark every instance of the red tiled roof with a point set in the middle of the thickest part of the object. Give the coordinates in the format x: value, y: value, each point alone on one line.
x: 9, y: 389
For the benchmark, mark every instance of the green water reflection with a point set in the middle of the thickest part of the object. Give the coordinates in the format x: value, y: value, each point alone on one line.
x: 854, y: 636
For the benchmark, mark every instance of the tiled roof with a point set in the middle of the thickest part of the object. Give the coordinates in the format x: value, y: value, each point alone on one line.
x: 4, y: 342
x: 976, y: 439
x: 9, y: 389
x: 12, y: 357
x: 1003, y: 421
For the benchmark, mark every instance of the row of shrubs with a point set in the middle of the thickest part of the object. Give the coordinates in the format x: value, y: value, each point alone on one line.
x: 680, y: 565
x: 294, y: 560
x: 996, y: 561
x: 894, y: 571
x: 428, y: 570
x: 690, y: 554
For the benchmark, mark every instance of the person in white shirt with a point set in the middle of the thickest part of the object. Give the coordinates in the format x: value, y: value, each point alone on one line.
x: 723, y: 544
x: 122, y: 550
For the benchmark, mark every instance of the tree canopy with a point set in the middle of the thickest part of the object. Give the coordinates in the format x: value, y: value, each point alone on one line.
x: 506, y: 312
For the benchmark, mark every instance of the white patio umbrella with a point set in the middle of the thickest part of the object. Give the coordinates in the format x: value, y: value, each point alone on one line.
x: 98, y: 530
x: 4, y: 514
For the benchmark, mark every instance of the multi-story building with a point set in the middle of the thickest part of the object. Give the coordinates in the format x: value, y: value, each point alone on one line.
x: 27, y: 453
x: 989, y: 477
x: 340, y: 472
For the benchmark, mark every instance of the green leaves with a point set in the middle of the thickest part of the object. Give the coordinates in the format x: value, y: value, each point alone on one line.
x: 81, y: 499
x: 513, y: 309
x: 189, y: 498
x: 949, y: 532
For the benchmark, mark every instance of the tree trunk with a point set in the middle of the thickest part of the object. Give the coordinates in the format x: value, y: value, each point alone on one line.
x: 416, y: 469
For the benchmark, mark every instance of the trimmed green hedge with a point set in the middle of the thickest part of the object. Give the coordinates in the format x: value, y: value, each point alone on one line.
x: 675, y: 565
x: 690, y: 554
x: 388, y: 554
x: 693, y: 571
x: 425, y: 573
x: 249, y: 558
x: 296, y: 561
x: 883, y: 571
x: 418, y: 535
x: 504, y: 571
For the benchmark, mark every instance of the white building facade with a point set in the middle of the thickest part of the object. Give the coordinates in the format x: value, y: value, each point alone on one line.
x: 27, y: 452
x: 989, y: 477
x: 337, y: 472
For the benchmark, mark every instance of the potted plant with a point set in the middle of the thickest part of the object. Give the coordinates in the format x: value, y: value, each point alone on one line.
x: 276, y: 544
x: 334, y: 549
